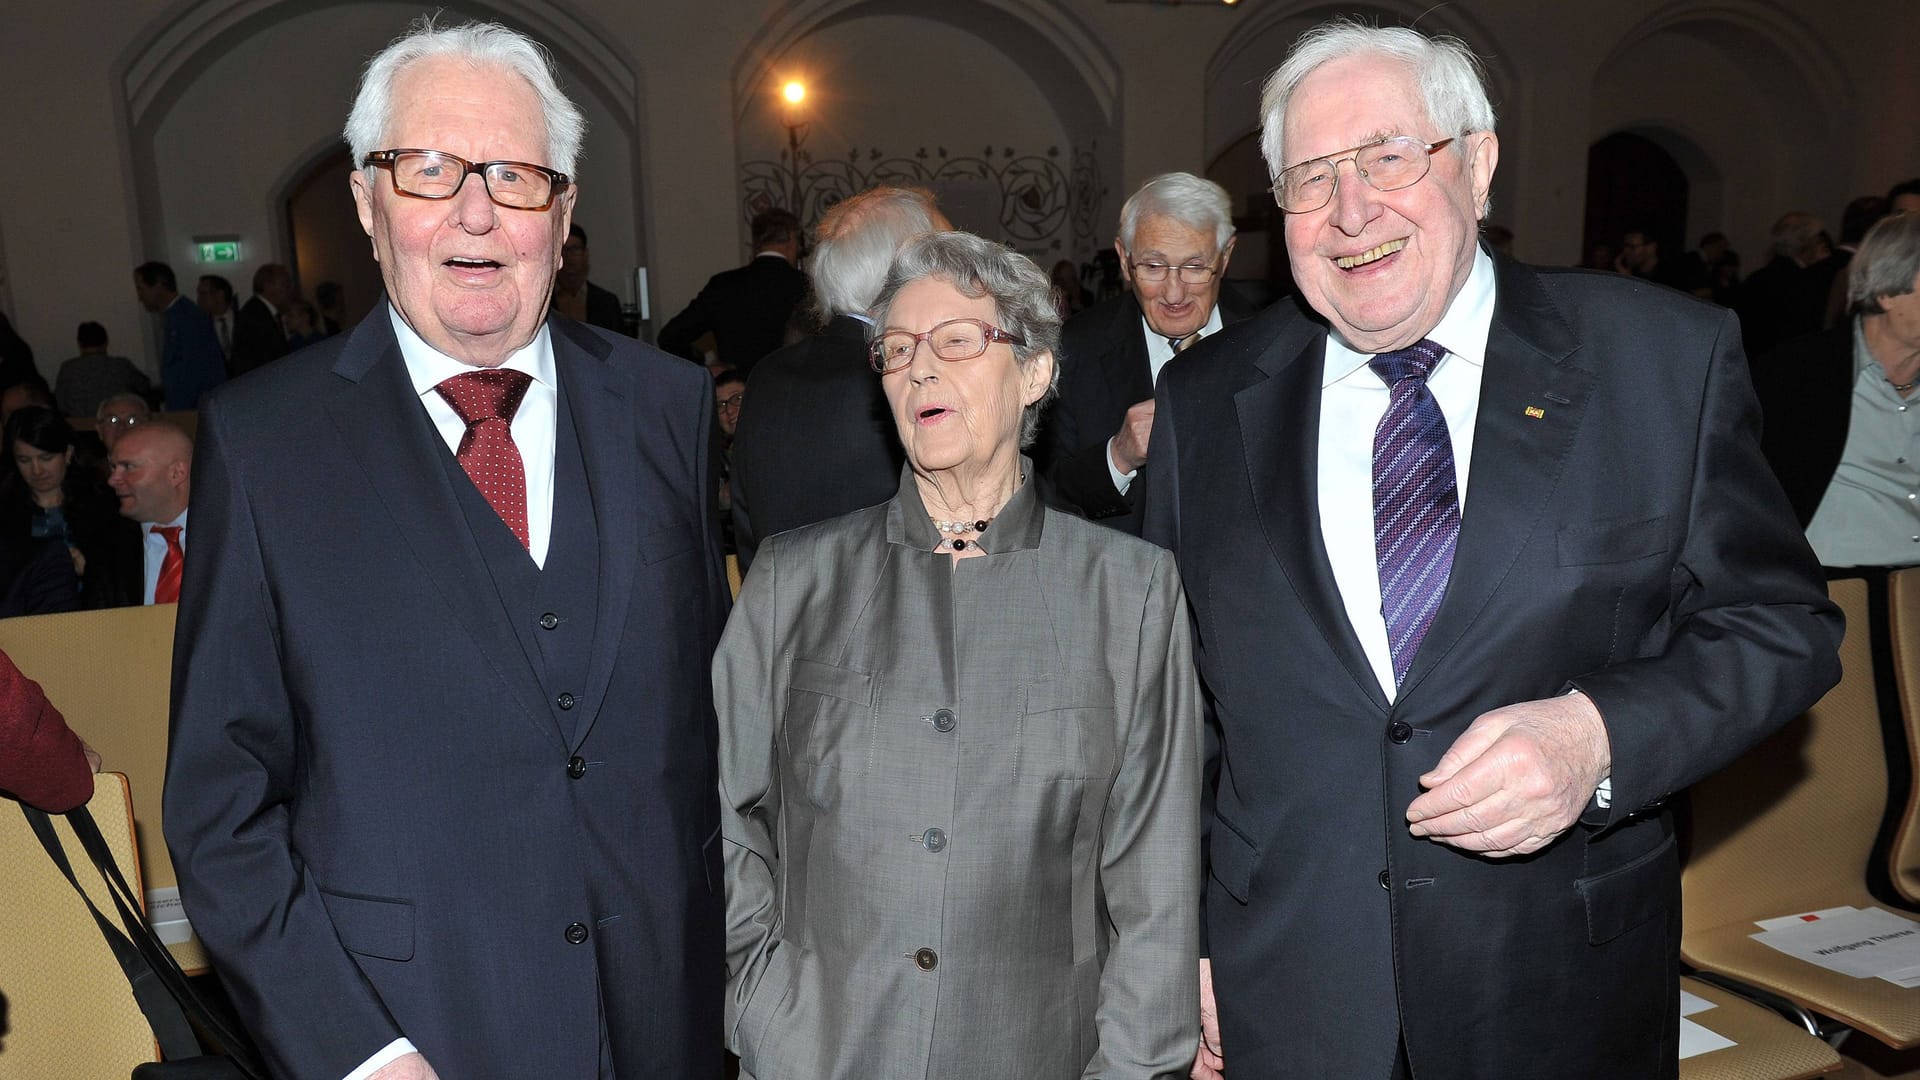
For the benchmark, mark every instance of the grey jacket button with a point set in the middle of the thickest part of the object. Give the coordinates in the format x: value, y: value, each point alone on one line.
x: 926, y: 959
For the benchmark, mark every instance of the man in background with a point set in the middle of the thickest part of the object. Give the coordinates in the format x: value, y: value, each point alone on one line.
x: 191, y: 360
x: 258, y: 336
x: 94, y: 376
x: 748, y: 310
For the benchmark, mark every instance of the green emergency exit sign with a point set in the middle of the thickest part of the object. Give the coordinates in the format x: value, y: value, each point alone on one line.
x: 219, y: 251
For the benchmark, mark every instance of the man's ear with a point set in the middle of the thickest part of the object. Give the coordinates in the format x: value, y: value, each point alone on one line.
x: 1486, y: 157
x: 363, y: 204
x: 1126, y: 261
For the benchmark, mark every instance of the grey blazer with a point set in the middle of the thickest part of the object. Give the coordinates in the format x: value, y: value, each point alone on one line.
x: 960, y: 803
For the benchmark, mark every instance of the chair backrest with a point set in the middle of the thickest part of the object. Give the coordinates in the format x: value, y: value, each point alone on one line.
x: 71, y: 1013
x: 109, y: 673
x: 1790, y: 826
x: 1903, y: 626
x: 733, y: 575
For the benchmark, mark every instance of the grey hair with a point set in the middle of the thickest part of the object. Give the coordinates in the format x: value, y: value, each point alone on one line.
x: 479, y: 44
x: 1197, y: 203
x: 1022, y: 297
x: 856, y: 241
x: 1452, y: 80
x: 1795, y: 235
x: 1886, y: 265
x: 100, y: 410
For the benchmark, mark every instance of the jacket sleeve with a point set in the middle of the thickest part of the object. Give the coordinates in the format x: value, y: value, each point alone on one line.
x: 1754, y: 640
x: 233, y: 769
x: 1150, y: 855
x: 748, y: 691
x: 42, y: 761
x: 697, y: 318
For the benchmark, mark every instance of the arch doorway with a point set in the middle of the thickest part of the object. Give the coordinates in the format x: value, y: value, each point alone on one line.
x: 328, y: 243
x: 1633, y: 185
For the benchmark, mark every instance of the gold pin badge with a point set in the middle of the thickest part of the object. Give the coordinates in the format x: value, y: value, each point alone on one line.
x: 1536, y: 412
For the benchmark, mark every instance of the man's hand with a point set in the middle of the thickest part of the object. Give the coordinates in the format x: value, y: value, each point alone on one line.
x: 1208, y: 1064
x: 406, y: 1067
x: 1129, y: 445
x: 1516, y: 779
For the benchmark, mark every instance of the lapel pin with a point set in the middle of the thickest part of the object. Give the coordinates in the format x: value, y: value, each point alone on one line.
x: 1536, y: 412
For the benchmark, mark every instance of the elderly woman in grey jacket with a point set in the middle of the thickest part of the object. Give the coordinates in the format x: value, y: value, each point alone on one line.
x: 960, y: 742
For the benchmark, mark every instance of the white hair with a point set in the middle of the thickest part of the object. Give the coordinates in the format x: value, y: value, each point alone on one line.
x: 1199, y: 204
x: 1452, y: 80
x: 479, y: 44
x: 856, y: 241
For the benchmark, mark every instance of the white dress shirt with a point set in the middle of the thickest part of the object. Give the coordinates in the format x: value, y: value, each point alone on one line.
x: 1352, y: 401
x: 1159, y: 351
x: 534, y: 425
x: 153, y: 551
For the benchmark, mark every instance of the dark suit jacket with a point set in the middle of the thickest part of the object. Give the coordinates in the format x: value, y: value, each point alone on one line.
x: 1779, y: 302
x: 747, y: 310
x: 379, y: 826
x: 1628, y: 542
x: 1104, y: 371
x: 257, y: 337
x: 1806, y: 398
x: 815, y: 438
x: 191, y: 362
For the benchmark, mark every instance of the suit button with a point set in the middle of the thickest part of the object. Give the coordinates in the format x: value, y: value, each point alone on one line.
x: 1399, y: 731
x: 943, y: 720
x: 577, y: 933
x: 549, y: 621
x: 565, y: 701
x: 926, y: 959
x: 935, y: 840
x: 1386, y: 881
x: 577, y: 767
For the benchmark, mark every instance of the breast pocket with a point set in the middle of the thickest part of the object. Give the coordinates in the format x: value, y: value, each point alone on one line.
x: 666, y: 542
x: 1067, y: 730
x: 1595, y: 542
x: 830, y: 713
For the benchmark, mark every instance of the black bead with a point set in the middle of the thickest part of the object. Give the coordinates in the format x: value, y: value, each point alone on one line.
x: 980, y: 526
x: 959, y: 544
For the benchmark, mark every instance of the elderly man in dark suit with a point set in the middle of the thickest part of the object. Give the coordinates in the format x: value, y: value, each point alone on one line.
x: 441, y: 792
x: 1176, y: 238
x: 1485, y: 565
x: 1839, y: 426
x: 747, y: 310
x: 820, y: 392
x: 258, y: 337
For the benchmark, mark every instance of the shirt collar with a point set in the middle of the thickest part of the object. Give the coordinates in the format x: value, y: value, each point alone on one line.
x: 1462, y: 331
x: 428, y: 367
x: 1862, y: 356
x: 1016, y: 527
x: 150, y: 526
x: 1160, y: 350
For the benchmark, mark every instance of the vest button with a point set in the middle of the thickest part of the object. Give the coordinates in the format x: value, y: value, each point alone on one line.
x: 1399, y: 731
x: 549, y: 621
x: 565, y: 701
x: 576, y: 933
x: 935, y: 840
x: 577, y: 767
x: 943, y: 720
x: 926, y: 959
x: 1386, y: 881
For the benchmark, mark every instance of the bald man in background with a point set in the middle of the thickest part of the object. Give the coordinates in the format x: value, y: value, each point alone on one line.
x: 151, y: 474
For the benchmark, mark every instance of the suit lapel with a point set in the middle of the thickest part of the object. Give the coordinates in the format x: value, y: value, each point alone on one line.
x: 1279, y: 424
x: 380, y: 418
x: 604, y: 423
x: 1517, y: 456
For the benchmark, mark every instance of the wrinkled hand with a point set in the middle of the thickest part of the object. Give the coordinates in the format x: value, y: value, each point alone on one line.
x: 406, y: 1067
x: 1516, y: 779
x: 79, y: 561
x: 1129, y: 446
x: 1208, y: 1064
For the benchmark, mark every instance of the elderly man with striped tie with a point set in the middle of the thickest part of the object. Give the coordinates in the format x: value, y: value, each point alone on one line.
x: 1485, y: 565
x: 442, y: 792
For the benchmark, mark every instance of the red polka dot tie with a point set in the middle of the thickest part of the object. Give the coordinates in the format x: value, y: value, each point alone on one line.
x: 486, y: 401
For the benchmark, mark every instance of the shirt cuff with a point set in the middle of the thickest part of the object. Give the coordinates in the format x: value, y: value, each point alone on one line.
x: 1121, y: 480
x: 387, y: 1055
x: 1603, y: 795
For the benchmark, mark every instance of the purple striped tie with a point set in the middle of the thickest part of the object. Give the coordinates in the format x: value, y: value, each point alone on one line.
x: 1416, y: 505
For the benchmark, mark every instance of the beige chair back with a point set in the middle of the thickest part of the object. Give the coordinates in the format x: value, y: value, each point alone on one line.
x: 72, y: 1014
x: 1903, y: 602
x: 733, y: 575
x: 109, y: 673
